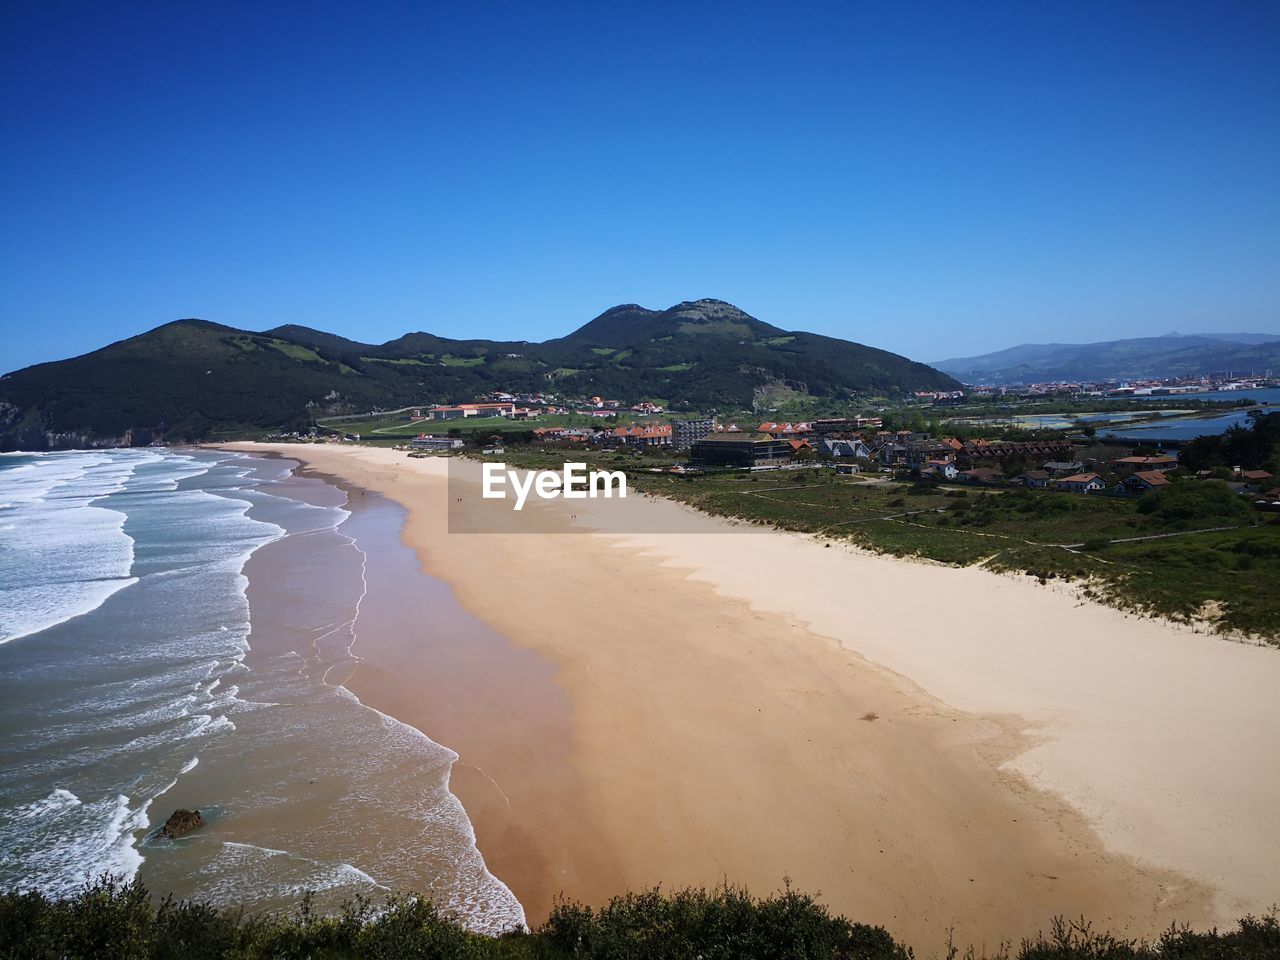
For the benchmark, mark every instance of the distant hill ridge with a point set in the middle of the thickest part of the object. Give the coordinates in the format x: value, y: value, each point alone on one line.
x: 1173, y: 355
x: 196, y: 379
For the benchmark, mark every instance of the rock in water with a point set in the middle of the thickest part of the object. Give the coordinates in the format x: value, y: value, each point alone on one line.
x: 180, y: 823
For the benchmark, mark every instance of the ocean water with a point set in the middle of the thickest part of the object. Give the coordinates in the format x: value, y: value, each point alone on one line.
x: 142, y: 670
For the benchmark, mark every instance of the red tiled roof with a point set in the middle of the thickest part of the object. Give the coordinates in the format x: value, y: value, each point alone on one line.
x: 660, y: 430
x: 1153, y: 477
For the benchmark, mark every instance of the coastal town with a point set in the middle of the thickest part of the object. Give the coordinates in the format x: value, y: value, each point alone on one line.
x: 1063, y: 461
x: 1164, y: 502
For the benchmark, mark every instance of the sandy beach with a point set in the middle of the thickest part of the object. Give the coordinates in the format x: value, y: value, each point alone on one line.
x: 928, y: 748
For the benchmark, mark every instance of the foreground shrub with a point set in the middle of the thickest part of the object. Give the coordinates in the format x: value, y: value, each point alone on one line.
x: 109, y: 918
x: 719, y: 924
x: 1195, y: 501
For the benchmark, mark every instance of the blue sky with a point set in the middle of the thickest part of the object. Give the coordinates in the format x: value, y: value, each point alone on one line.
x: 937, y: 179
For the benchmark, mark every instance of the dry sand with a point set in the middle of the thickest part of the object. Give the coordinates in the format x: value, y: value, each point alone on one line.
x: 929, y: 747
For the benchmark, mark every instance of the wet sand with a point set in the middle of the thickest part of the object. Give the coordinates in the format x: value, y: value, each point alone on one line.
x: 723, y: 709
x: 307, y: 789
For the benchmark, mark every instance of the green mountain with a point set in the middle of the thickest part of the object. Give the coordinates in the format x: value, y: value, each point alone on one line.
x: 1160, y: 357
x: 192, y: 379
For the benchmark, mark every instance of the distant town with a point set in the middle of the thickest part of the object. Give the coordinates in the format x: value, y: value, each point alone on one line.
x: 1057, y: 461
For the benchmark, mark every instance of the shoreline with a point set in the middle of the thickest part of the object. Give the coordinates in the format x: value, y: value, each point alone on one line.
x: 304, y: 757
x: 859, y: 794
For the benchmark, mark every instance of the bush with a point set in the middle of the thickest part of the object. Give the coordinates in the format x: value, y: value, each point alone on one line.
x: 720, y: 924
x: 111, y: 918
x: 1195, y: 501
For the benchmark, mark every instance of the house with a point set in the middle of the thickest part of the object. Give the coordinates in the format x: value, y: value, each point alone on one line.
x: 1142, y: 481
x: 847, y: 469
x: 787, y: 430
x: 921, y: 452
x: 685, y: 432
x: 464, y: 410
x: 435, y: 444
x: 1128, y: 465
x: 891, y: 453
x: 980, y: 475
x: 1063, y: 468
x: 1035, y: 479
x: 740, y: 450
x: 845, y: 424
x: 940, y: 469
x: 1255, y: 480
x: 975, y: 452
x: 657, y: 435
x: 839, y: 449
x: 562, y: 434
x: 1081, y: 483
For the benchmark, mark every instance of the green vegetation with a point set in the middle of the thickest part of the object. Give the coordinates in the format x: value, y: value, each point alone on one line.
x: 399, y: 426
x: 109, y: 918
x: 1256, y: 447
x: 400, y: 361
x: 193, y: 380
x: 296, y: 351
x: 1185, y: 503
x: 717, y: 327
